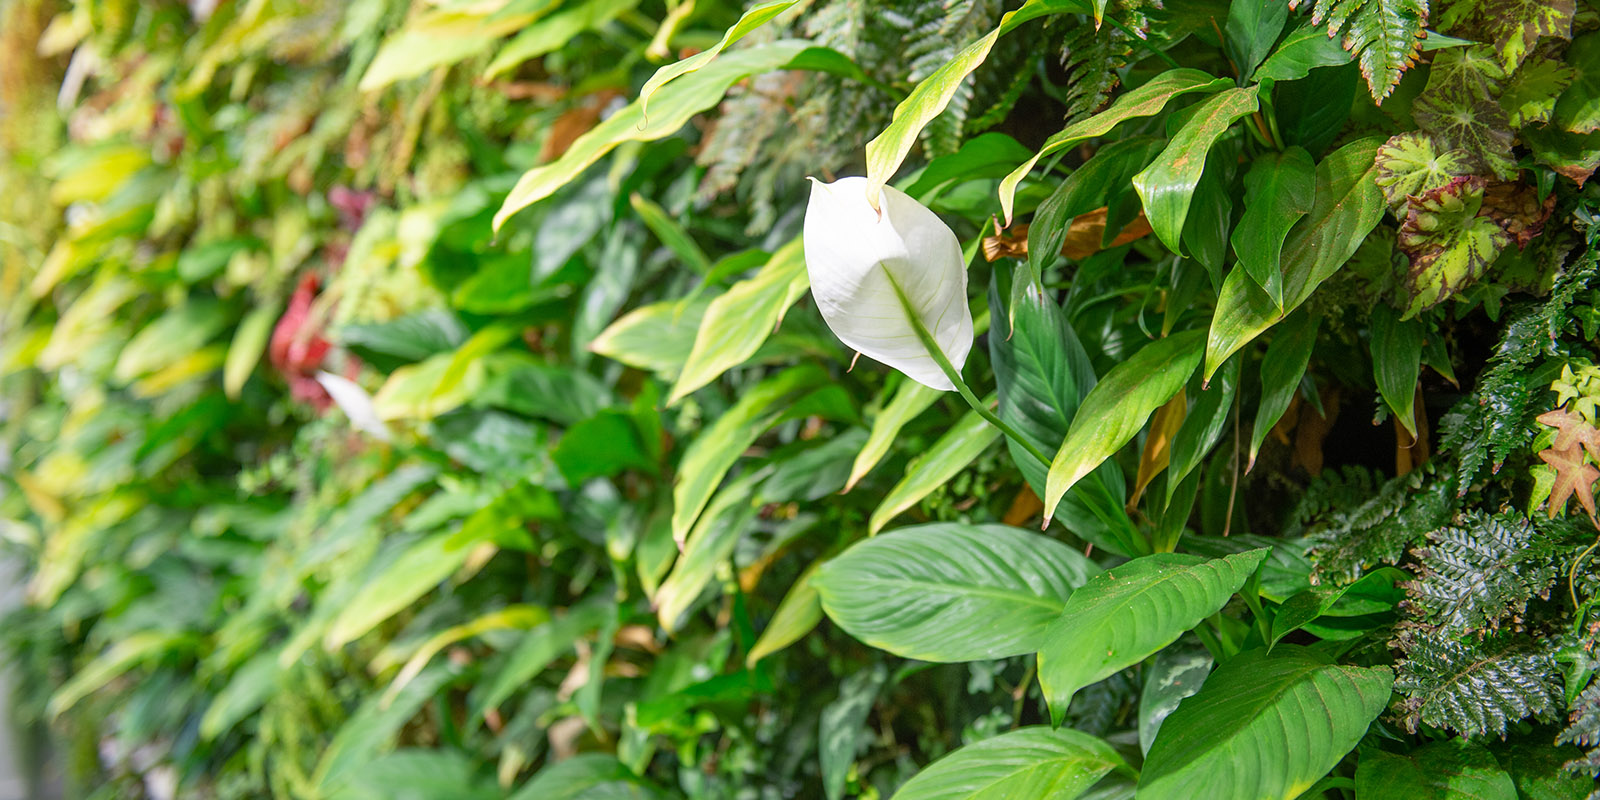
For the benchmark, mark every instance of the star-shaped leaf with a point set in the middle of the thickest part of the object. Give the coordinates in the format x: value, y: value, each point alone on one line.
x: 1450, y: 245
x: 1572, y: 430
x: 1414, y: 163
x: 1574, y: 475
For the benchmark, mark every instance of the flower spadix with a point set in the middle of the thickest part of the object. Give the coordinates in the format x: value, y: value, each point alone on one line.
x: 862, y: 262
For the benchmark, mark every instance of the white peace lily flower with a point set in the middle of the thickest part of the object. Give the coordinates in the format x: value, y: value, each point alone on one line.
x: 856, y: 257
x: 355, y: 403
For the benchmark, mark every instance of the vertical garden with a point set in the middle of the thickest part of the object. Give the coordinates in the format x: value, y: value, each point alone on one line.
x: 475, y: 400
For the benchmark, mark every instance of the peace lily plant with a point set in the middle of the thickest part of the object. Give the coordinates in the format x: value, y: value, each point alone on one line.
x: 891, y: 283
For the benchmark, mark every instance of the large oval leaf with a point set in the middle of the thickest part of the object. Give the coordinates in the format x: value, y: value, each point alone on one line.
x: 1024, y: 763
x: 951, y: 592
x: 1121, y: 616
x: 1264, y: 727
x: 1118, y: 406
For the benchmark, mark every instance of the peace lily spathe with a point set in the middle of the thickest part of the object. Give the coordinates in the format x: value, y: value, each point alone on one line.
x: 355, y: 403
x: 856, y: 256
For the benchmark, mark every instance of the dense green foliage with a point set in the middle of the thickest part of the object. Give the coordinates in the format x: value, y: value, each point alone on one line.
x: 425, y: 400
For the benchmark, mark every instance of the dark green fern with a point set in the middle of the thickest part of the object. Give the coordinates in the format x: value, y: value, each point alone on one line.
x: 1476, y: 687
x: 1479, y: 571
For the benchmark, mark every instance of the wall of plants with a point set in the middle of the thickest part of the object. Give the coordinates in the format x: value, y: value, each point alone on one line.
x: 473, y: 399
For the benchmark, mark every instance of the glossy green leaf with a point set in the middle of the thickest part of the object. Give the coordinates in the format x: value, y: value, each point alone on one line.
x: 129, y: 652
x: 1252, y: 29
x: 1089, y: 187
x: 1376, y: 592
x: 1450, y: 769
x: 951, y: 592
x: 726, y: 519
x: 601, y: 446
x: 1281, y: 370
x: 537, y: 649
x: 1396, y: 360
x: 1304, y: 49
x: 1278, y: 192
x: 674, y: 104
x: 1203, y: 425
x: 1210, y: 218
x: 671, y: 234
x: 1176, y: 674
x: 1345, y: 209
x: 842, y: 727
x: 910, y: 400
x: 987, y: 155
x: 1146, y: 100
x: 249, y: 342
x: 416, y: 572
x: 1033, y: 762
x: 441, y: 383
x: 709, y: 457
x: 752, y: 19
x: 1123, y: 615
x: 1114, y: 411
x: 555, y: 31
x: 658, y: 337
x: 737, y: 323
x: 1264, y: 726
x: 930, y: 97
x: 586, y: 776
x: 511, y: 617
x: 947, y: 457
x: 1167, y: 185
x: 798, y: 612
x: 418, y: 772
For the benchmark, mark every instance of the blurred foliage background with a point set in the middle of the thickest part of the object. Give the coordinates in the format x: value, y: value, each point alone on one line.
x: 517, y: 570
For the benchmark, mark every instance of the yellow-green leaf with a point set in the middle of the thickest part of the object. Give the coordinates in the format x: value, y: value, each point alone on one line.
x: 1167, y: 185
x: 737, y: 323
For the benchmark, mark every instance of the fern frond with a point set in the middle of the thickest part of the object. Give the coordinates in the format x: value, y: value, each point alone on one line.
x: 1383, y: 35
x: 1478, y: 571
x: 1583, y: 730
x: 1357, y: 528
x: 1473, y: 688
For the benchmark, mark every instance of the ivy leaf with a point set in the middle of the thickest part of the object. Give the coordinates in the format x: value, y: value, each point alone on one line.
x: 1414, y: 163
x: 1572, y: 429
x: 1384, y: 35
x: 1513, y: 27
x: 1461, y: 107
x: 1530, y: 96
x: 1450, y: 245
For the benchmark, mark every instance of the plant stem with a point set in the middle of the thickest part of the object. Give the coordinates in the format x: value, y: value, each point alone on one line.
x: 932, y: 346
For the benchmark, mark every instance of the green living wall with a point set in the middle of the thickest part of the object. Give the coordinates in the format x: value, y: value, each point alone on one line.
x: 429, y: 400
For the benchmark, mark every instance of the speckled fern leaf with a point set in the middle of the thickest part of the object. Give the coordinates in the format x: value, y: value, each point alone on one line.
x: 1355, y: 525
x: 1383, y: 35
x: 1477, y: 572
x: 1583, y: 730
x: 1473, y: 687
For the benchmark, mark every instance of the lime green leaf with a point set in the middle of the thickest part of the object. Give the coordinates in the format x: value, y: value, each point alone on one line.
x: 1413, y: 163
x: 1123, y: 615
x: 719, y: 446
x: 249, y: 342
x: 441, y: 383
x: 798, y: 612
x: 1144, y: 101
x: 910, y: 400
x: 172, y: 336
x: 130, y: 651
x: 671, y: 233
x: 1278, y: 191
x: 726, y: 519
x: 951, y: 592
x: 415, y: 573
x: 1304, y: 49
x: 538, y: 648
x: 1167, y: 185
x: 752, y: 19
x: 1451, y: 769
x: 1264, y: 726
x: 928, y: 99
x: 1449, y: 243
x: 511, y: 617
x: 1530, y: 96
x: 436, y: 39
x: 1033, y: 762
x: 675, y: 105
x: 958, y: 447
x: 658, y: 337
x: 1281, y: 370
x: 1346, y: 208
x: 1115, y: 410
x: 555, y: 31
x: 1396, y: 359
x: 1384, y: 35
x: 738, y: 322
